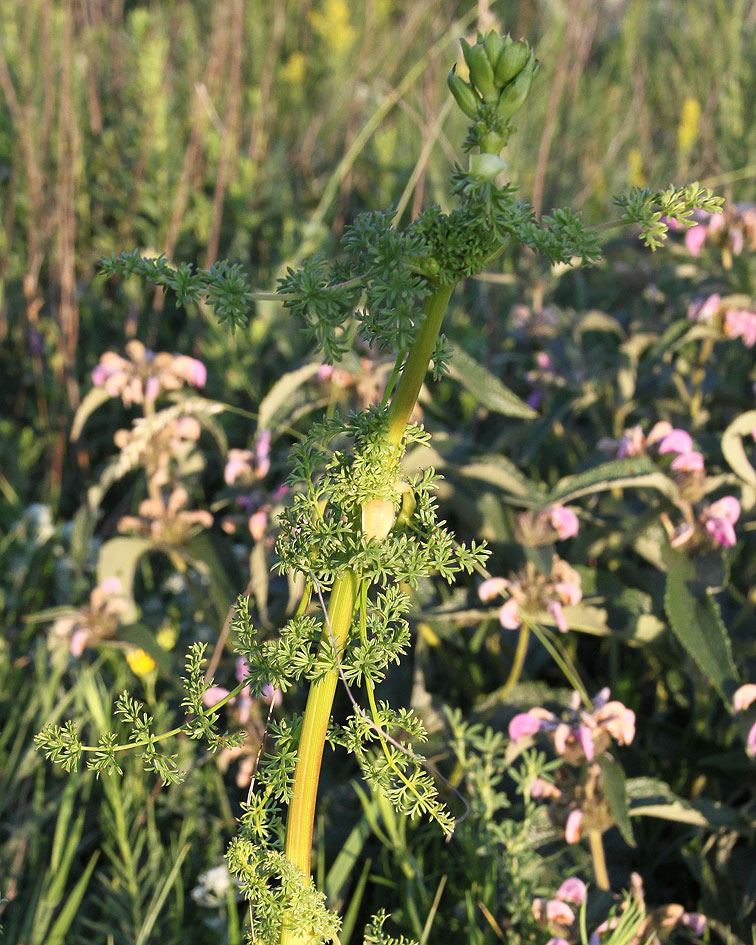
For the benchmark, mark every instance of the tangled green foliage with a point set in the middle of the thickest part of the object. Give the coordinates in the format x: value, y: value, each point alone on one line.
x: 375, y: 287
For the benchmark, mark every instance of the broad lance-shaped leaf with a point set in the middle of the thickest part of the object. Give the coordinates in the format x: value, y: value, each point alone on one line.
x: 735, y: 454
x: 486, y: 388
x: 501, y: 472
x: 279, y: 396
x: 93, y: 399
x: 637, y: 472
x: 616, y: 795
x: 118, y: 558
x: 697, y: 623
x: 650, y: 797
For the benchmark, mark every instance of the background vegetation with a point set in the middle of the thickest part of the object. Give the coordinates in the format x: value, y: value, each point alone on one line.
x: 255, y: 131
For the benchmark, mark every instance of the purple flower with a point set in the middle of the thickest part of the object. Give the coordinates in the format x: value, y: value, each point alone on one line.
x: 695, y: 921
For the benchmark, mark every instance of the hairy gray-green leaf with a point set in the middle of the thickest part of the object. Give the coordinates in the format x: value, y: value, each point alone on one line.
x: 278, y: 397
x: 486, y: 388
x: 637, y: 472
x: 118, y: 558
x: 697, y: 623
x: 616, y: 795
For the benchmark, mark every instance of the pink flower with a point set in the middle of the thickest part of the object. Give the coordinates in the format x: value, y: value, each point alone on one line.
x: 658, y: 431
x: 559, y: 912
x: 740, y: 323
x: 564, y: 521
x: 743, y: 697
x: 78, y: 642
x: 676, y: 441
x: 557, y: 941
x: 721, y: 531
x: 617, y: 720
x: 238, y: 466
x: 509, y: 615
x: 569, y: 592
x: 262, y: 454
x: 271, y: 695
x: 704, y: 310
x: 258, y: 522
x: 242, y: 668
x: 562, y: 734
x: 572, y: 890
x: 688, y: 462
x: 727, y: 507
x: 695, y: 237
x: 555, y: 609
x: 492, y: 588
x: 572, y: 827
x: 585, y: 737
x: 213, y: 695
x: 524, y: 724
x: 544, y: 361
x: 632, y: 443
x: 751, y: 740
x: 539, y: 788
x: 190, y: 370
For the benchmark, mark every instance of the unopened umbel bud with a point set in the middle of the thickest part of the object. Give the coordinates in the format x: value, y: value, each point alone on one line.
x: 511, y: 61
x: 514, y: 94
x: 481, y: 70
x: 464, y: 94
x: 494, y: 47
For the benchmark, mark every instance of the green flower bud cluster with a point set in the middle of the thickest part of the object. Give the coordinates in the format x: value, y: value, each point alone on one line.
x: 501, y: 73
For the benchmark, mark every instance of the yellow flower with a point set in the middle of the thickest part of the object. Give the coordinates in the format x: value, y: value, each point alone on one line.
x: 332, y: 25
x: 141, y: 663
x: 294, y: 69
x: 687, y: 130
x: 166, y: 637
x: 636, y: 176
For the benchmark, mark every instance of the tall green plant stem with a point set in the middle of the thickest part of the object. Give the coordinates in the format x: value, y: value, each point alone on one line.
x: 301, y: 818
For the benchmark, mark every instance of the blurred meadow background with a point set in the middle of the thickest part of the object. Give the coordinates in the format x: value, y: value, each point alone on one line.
x: 254, y: 131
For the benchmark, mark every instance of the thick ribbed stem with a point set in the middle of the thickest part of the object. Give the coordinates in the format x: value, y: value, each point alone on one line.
x: 299, y: 826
